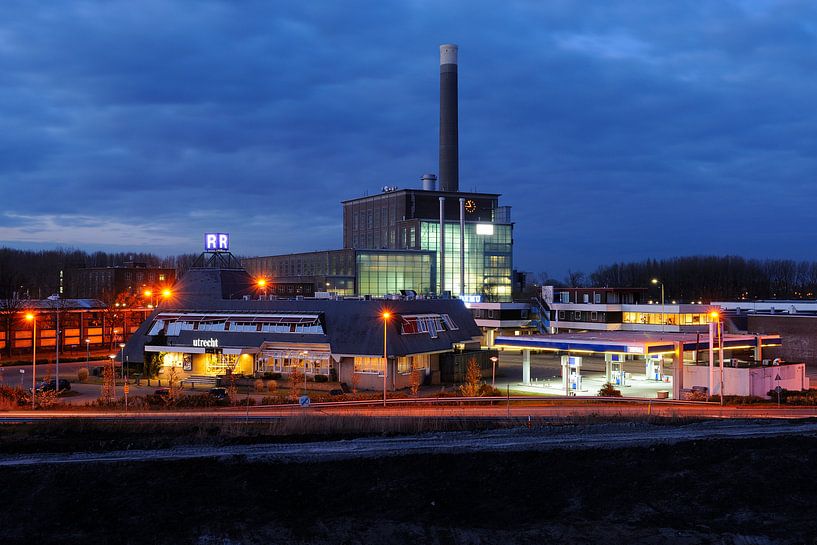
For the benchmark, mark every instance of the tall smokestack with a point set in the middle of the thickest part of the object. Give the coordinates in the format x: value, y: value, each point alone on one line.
x: 449, y: 146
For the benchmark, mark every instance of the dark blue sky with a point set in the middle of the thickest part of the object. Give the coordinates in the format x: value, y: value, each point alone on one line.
x: 616, y: 130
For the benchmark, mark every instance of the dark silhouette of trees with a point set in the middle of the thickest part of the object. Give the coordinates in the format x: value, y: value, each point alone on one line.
x: 712, y: 278
x: 30, y: 274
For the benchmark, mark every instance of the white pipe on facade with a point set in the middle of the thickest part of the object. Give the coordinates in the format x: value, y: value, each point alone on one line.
x: 462, y: 246
x: 442, y: 246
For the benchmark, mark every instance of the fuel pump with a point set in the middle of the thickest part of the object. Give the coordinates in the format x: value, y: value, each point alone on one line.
x: 655, y: 367
x: 615, y: 369
x: 571, y: 374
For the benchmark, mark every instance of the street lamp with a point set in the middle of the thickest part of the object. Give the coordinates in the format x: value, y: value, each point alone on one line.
x: 663, y: 319
x: 87, y: 351
x: 122, y: 358
x: 715, y: 324
x: 149, y: 295
x: 493, y: 359
x: 31, y: 317
x: 386, y: 315
x: 113, y: 376
x: 262, y: 283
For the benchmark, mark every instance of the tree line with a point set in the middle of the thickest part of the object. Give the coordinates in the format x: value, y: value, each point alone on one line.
x: 36, y: 274
x: 710, y: 278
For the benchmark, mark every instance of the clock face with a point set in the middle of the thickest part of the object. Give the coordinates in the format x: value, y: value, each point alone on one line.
x: 470, y: 206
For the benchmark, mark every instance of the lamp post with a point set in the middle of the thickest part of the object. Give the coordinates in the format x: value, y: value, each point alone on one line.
x: 113, y: 377
x: 149, y: 295
x: 122, y: 358
x: 493, y: 359
x: 386, y: 315
x: 716, y: 331
x: 663, y: 319
x: 304, y: 356
x: 262, y: 283
x: 87, y: 352
x: 33, y: 319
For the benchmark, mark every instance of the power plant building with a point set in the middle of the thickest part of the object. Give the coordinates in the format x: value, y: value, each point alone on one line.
x: 425, y: 240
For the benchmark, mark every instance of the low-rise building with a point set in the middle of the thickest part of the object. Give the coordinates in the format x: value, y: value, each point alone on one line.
x: 201, y: 331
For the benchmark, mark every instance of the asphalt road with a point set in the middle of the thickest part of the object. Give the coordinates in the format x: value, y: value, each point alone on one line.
x: 516, y: 409
x: 504, y: 440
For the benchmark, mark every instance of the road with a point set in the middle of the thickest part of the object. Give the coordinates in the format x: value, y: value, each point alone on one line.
x: 504, y: 440
x: 517, y: 409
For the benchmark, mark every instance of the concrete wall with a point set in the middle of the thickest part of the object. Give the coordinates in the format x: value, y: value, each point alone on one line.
x: 374, y: 381
x: 798, y: 333
x: 756, y: 381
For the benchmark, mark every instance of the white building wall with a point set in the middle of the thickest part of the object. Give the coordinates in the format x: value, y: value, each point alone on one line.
x: 756, y: 381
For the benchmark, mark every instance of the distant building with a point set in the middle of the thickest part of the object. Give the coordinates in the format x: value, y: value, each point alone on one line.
x: 107, y: 282
x: 85, y: 324
x: 622, y: 309
x: 794, y: 320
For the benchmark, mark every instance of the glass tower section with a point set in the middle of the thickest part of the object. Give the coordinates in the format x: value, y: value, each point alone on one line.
x: 381, y: 272
x: 488, y: 257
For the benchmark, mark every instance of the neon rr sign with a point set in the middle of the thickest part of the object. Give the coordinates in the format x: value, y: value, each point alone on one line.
x: 216, y: 242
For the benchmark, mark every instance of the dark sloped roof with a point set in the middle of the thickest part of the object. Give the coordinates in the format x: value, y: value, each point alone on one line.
x: 353, y: 327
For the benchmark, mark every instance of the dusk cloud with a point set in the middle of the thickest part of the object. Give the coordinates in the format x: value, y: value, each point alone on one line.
x: 615, y: 130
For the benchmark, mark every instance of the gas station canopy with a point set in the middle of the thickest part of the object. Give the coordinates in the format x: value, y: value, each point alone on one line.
x: 636, y: 343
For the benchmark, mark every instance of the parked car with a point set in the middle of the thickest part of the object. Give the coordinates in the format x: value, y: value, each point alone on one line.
x: 39, y: 387
x: 52, y: 385
x: 219, y: 394
x: 162, y: 392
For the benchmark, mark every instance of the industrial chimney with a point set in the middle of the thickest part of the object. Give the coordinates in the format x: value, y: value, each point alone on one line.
x: 449, y: 147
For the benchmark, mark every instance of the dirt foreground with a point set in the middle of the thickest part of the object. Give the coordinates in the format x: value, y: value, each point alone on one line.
x: 656, y: 487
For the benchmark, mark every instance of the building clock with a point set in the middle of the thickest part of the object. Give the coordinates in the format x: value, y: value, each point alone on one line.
x: 470, y: 206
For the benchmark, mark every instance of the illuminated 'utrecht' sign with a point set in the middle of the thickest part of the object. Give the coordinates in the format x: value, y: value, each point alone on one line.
x: 216, y: 242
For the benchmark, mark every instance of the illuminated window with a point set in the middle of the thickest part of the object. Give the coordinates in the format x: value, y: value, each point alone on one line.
x: 368, y: 365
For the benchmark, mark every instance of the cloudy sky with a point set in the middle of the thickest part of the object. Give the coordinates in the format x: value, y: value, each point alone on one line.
x: 616, y: 130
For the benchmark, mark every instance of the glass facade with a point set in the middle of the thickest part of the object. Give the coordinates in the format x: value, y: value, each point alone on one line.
x: 384, y: 272
x: 488, y: 258
x: 654, y: 318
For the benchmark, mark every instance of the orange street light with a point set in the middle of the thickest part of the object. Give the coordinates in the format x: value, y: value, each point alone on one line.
x: 714, y: 315
x: 166, y: 293
x: 386, y: 315
x: 33, y: 319
x: 262, y: 284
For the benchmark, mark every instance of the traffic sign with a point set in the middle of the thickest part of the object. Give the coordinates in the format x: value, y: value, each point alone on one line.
x: 778, y: 377
x: 303, y: 401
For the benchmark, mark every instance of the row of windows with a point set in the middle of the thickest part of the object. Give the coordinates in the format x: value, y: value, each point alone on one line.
x: 427, y: 323
x: 405, y: 364
x: 655, y: 318
x: 267, y: 324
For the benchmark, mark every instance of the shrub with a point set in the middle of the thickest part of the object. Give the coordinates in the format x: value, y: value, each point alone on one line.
x: 321, y: 378
x: 473, y: 379
x: 416, y: 381
x: 82, y: 374
x: 259, y: 385
x: 488, y: 390
x: 272, y: 386
x: 608, y: 390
